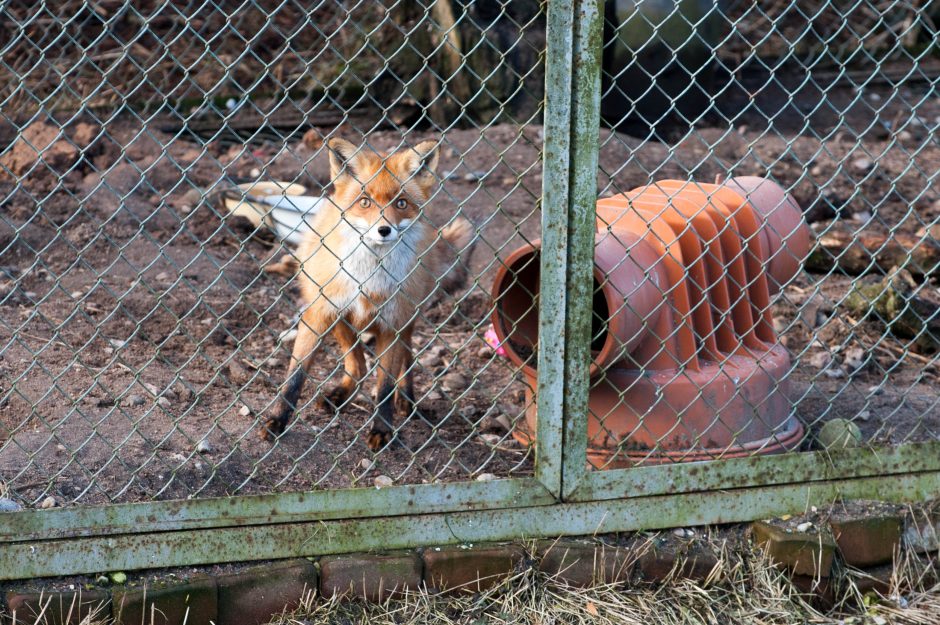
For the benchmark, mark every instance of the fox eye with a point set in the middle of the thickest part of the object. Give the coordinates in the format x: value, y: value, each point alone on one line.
x: 365, y: 202
x: 401, y: 204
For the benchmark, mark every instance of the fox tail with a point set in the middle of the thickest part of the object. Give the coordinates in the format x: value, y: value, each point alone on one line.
x: 454, y: 249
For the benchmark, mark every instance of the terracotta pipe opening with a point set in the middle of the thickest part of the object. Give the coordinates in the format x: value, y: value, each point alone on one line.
x: 516, y: 313
x: 516, y: 316
x: 625, y: 301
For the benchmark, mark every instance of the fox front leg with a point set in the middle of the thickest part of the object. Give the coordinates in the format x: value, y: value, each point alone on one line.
x: 392, y: 354
x: 310, y: 330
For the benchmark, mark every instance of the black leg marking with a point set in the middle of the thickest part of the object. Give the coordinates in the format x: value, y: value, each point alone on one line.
x: 294, y: 385
x: 381, y: 431
x: 274, y: 426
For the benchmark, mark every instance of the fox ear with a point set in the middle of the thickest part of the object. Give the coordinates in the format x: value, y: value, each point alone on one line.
x: 344, y: 157
x: 422, y: 161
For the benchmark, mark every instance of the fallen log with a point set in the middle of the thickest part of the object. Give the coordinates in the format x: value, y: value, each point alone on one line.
x: 858, y: 253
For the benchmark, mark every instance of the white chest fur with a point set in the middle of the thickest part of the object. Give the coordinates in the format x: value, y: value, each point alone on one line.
x: 374, y: 274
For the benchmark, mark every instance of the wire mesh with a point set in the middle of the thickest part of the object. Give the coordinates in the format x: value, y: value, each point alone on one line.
x: 835, y: 102
x: 148, y: 313
x: 150, y: 297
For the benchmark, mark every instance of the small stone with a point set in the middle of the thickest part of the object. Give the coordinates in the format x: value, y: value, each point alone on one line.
x: 484, y: 353
x: 191, y: 198
x: 273, y: 363
x: 862, y: 216
x: 153, y: 389
x: 508, y: 181
x: 118, y: 577
x: 8, y: 505
x: 431, y: 362
x: 255, y: 172
x: 862, y: 165
x: 854, y: 359
x: 135, y: 400
x: 382, y: 481
x: 237, y: 374
x: 434, y: 396
x: 203, y: 447
x: 117, y: 344
x: 864, y: 415
x: 163, y: 402
x: 60, y: 448
x: 474, y: 176
x: 838, y: 434
x: 102, y: 580
x: 288, y: 336
x: 490, y: 439
x: 495, y: 423
x: 76, y: 294
x: 820, y: 360
x: 816, y: 171
x: 48, y: 502
x: 486, y: 477
x: 244, y: 411
x: 809, y: 312
x: 454, y: 382
x: 680, y: 532
x: 876, y: 390
x: 163, y: 277
x: 921, y: 533
x: 365, y: 464
x: 180, y: 391
x: 835, y: 373
x: 804, y: 527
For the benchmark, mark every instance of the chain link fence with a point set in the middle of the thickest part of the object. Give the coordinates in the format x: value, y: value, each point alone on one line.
x: 835, y: 102
x: 151, y: 298
x: 145, y: 335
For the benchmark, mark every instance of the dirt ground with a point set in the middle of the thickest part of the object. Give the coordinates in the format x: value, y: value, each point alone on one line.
x: 136, y: 321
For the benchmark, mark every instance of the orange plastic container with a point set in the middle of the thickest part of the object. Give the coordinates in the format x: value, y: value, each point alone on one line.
x: 686, y: 365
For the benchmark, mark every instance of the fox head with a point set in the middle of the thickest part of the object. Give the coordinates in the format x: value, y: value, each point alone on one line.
x: 382, y: 195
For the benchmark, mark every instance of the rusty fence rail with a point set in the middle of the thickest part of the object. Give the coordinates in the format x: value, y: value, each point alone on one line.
x: 283, y: 279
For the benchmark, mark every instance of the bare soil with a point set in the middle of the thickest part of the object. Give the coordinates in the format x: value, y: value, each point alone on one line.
x: 119, y: 285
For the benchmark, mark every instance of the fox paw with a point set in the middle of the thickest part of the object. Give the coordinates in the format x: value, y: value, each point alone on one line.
x: 377, y: 439
x: 272, y: 428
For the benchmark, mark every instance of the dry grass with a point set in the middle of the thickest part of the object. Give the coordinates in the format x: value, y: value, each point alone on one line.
x: 743, y: 590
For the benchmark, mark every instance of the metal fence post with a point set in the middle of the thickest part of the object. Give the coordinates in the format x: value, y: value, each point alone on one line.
x: 569, y: 190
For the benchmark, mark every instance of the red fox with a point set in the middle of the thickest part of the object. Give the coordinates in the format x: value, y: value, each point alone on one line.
x: 370, y: 261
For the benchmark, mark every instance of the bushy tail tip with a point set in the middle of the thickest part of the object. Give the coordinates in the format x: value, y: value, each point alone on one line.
x: 459, y: 233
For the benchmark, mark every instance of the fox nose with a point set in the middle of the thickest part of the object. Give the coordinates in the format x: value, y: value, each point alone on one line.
x: 385, y: 230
